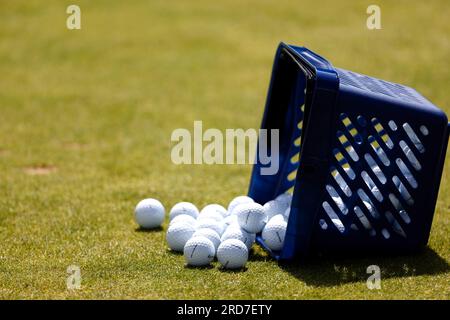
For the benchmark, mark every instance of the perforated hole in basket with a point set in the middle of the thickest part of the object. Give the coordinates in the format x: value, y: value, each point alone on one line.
x: 373, y: 178
x: 294, y: 155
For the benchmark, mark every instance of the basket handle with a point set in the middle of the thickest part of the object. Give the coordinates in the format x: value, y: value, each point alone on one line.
x: 313, y: 59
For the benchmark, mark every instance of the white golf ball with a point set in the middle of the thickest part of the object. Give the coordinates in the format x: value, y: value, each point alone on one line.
x: 209, y: 223
x: 286, y: 214
x: 210, y: 215
x: 183, y: 218
x: 285, y: 198
x: 274, y: 207
x: 274, y: 233
x: 237, y: 201
x: 212, y: 235
x: 178, y: 234
x: 277, y: 217
x: 149, y: 213
x: 236, y: 232
x: 230, y: 220
x: 199, y: 251
x: 232, y: 254
x: 183, y: 208
x: 215, y: 208
x: 251, y: 217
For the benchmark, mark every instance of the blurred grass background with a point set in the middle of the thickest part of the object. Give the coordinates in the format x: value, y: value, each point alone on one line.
x: 85, y: 124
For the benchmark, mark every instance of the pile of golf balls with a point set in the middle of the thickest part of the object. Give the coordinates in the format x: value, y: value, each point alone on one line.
x: 218, y: 232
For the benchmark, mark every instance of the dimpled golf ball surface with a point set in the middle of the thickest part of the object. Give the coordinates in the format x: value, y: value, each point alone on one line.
x: 285, y: 198
x: 274, y: 233
x: 183, y: 218
x: 215, y: 208
x: 149, y: 213
x: 274, y: 207
x: 236, y: 232
x: 199, y: 251
x: 232, y: 254
x: 230, y: 220
x: 237, y: 201
x: 183, y: 208
x: 210, y: 215
x: 178, y: 234
x: 209, y: 223
x: 211, y: 235
x: 277, y: 217
x: 251, y: 217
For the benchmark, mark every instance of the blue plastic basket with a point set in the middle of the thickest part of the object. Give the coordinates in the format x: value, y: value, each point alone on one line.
x: 363, y: 158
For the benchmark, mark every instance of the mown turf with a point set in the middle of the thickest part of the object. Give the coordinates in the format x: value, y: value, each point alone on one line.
x: 85, y: 124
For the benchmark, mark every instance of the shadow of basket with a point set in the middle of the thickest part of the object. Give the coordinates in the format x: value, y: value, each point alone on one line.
x: 332, y: 271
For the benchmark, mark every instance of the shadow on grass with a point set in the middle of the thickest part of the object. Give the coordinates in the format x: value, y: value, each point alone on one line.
x: 331, y: 271
x: 240, y: 270
x: 258, y: 255
x: 140, y: 229
x: 173, y: 252
x: 207, y: 267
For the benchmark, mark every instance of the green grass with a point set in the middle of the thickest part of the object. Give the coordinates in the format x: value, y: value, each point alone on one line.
x: 95, y: 108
